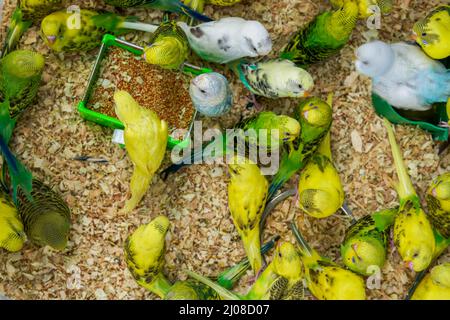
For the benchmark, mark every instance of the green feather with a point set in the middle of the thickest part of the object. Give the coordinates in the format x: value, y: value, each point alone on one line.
x: 46, y: 218
x: 325, y: 36
x: 17, y: 27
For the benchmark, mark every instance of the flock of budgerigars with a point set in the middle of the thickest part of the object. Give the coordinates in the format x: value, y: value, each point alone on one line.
x: 406, y: 75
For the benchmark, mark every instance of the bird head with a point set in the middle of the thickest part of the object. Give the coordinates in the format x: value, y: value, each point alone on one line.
x: 417, y: 257
x: 209, y: 89
x: 315, y: 112
x: 441, y: 274
x: 257, y: 40
x: 52, y: 29
x: 360, y: 254
x: 287, y: 262
x: 374, y: 58
x: 440, y: 188
x: 290, y: 128
x: 23, y: 63
x: 127, y: 109
x: 51, y: 228
x: 431, y: 31
x: 296, y: 82
x: 240, y: 167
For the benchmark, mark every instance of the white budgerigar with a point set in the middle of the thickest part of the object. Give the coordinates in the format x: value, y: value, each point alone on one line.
x: 211, y: 94
x: 403, y: 75
x: 228, y: 39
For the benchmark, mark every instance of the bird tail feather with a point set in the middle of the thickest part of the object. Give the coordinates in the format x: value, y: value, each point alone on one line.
x: 112, y: 22
x: 20, y: 176
x: 140, y: 181
x: 252, y: 246
x: 229, y: 277
x: 221, y: 291
x: 194, y: 14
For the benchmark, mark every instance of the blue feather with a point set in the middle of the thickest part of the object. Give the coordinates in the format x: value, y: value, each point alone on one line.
x: 435, y: 86
x: 192, y: 13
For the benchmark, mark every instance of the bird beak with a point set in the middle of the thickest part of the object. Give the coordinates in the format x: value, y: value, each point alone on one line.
x: 51, y: 39
x: 414, y: 37
x: 307, y: 94
x: 434, y: 193
x: 409, y: 265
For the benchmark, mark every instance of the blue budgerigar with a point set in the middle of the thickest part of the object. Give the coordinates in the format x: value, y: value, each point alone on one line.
x: 403, y: 75
x: 211, y: 94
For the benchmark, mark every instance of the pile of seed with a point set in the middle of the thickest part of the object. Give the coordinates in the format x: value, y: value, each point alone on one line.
x: 163, y: 91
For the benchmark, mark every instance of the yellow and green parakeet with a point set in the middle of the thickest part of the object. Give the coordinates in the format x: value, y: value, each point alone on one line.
x: 366, y: 6
x: 315, y: 118
x: 12, y: 235
x: 438, y: 201
x: 433, y: 33
x: 168, y: 46
x: 83, y: 31
x: 320, y: 189
x: 365, y: 243
x: 247, y: 195
x: 324, y: 37
x: 144, y: 254
x: 325, y: 279
x: 191, y: 290
x: 435, y: 285
x: 288, y: 129
x: 46, y: 217
x: 413, y: 235
x: 145, y: 137
x: 281, y: 280
x: 27, y: 13
x: 20, y: 77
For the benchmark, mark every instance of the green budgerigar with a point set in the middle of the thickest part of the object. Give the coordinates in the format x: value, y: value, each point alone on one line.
x: 281, y: 280
x: 315, y: 118
x: 413, y: 235
x: 365, y: 243
x: 46, y: 217
x: 164, y: 5
x: 191, y: 290
x: 265, y: 130
x: 168, y: 46
x: 324, y: 37
x: 65, y: 31
x: 325, y: 279
x: 20, y: 77
x: 144, y: 254
x: 438, y: 201
x: 12, y: 235
x: 27, y: 13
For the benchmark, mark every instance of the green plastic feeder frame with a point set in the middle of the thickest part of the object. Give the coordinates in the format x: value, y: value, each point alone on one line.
x: 114, y: 123
x: 384, y: 109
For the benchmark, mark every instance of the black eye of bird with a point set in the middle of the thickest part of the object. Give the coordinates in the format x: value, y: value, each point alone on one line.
x: 300, y: 86
x: 424, y: 34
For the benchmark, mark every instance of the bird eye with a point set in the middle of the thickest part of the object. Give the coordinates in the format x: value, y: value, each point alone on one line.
x: 202, y: 91
x: 300, y: 86
x: 416, y: 255
x: 279, y: 254
x: 424, y: 34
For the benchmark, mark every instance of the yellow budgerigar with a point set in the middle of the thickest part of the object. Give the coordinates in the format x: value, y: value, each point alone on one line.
x: 12, y: 234
x: 368, y: 8
x: 144, y: 254
x: 247, y: 195
x: 433, y: 33
x: 320, y: 189
x: 281, y: 280
x: 413, y: 235
x: 435, y: 285
x: 145, y: 137
x: 325, y: 279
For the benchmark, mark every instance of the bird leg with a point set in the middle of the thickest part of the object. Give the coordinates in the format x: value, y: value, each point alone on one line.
x: 253, y: 103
